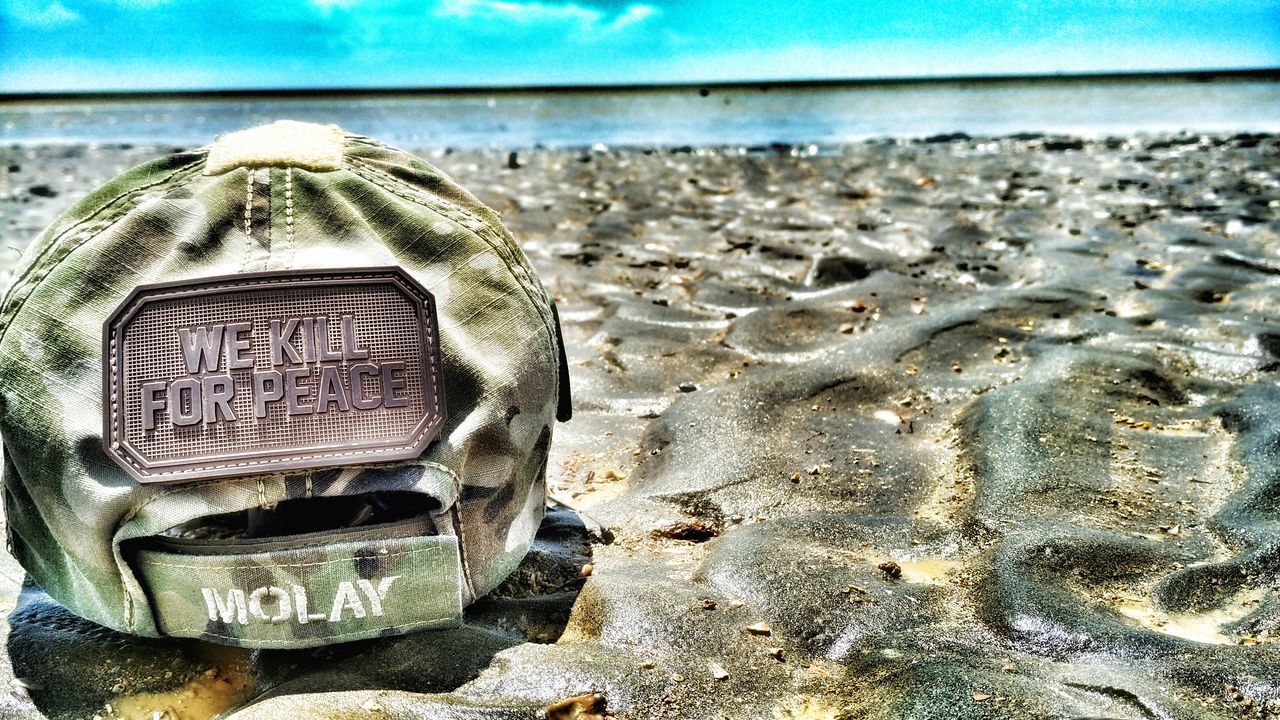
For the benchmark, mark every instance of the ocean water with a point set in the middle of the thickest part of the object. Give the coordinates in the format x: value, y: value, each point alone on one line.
x: 676, y: 117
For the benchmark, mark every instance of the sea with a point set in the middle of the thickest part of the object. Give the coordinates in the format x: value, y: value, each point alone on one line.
x: 737, y: 115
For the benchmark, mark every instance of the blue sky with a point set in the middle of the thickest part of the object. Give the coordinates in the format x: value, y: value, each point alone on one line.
x: 51, y: 45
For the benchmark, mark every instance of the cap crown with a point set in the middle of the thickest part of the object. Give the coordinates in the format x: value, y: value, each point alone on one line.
x: 70, y: 508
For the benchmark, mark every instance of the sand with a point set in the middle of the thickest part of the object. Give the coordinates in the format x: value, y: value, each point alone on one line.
x: 1036, y: 375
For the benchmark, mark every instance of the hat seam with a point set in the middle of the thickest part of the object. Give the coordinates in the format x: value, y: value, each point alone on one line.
x: 518, y: 270
x: 456, y: 512
x: 262, y: 643
x: 291, y: 565
x: 257, y: 219
x: 65, y: 243
x: 537, y: 294
x: 502, y: 247
x: 133, y: 512
x: 248, y: 221
x: 288, y: 216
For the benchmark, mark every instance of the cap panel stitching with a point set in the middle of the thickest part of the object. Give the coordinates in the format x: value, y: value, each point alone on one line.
x: 288, y: 215
x: 516, y: 268
x: 280, y: 643
x: 252, y: 566
x: 477, y: 227
x: 61, y: 247
x: 248, y: 221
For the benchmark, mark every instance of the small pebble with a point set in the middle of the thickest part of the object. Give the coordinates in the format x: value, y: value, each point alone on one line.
x: 590, y: 706
x: 890, y: 569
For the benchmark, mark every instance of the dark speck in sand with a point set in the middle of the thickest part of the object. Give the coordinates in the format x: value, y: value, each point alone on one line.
x: 590, y: 706
x: 836, y: 269
x: 947, y: 137
x: 583, y: 258
x: 694, y: 531
x: 43, y: 191
x: 686, y: 387
x: 1060, y: 145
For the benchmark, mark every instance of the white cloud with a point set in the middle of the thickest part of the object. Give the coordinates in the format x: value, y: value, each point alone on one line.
x: 330, y: 4
x: 524, y: 13
x: 42, y: 14
x: 586, y: 20
x: 140, y: 4
x: 634, y: 14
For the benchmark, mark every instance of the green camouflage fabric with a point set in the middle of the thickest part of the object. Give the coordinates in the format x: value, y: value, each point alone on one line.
x: 70, y: 507
x: 332, y: 593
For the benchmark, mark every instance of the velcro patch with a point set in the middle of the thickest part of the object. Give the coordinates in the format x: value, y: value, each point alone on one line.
x: 268, y: 372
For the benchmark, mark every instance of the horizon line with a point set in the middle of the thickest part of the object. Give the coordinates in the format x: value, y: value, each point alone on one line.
x: 1265, y: 73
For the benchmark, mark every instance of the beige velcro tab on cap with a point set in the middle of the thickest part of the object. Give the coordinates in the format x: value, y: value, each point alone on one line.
x: 285, y: 143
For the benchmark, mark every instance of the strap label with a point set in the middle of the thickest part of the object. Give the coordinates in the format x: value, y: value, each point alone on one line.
x: 307, y: 596
x: 272, y: 604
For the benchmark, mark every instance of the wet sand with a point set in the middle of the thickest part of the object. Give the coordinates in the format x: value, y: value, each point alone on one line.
x: 960, y: 428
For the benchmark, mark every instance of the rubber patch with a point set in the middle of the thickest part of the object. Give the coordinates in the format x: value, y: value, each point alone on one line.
x: 267, y: 372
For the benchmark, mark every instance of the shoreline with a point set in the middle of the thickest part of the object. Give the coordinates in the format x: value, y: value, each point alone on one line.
x: 995, y: 80
x: 645, y: 117
x: 1035, y: 141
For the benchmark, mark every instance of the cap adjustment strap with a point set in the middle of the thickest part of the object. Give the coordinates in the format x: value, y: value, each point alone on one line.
x: 309, y: 596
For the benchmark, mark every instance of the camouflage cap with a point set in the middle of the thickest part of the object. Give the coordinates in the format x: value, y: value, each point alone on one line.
x: 292, y: 389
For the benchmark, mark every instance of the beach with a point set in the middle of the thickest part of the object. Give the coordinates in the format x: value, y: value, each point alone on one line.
x: 961, y: 426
